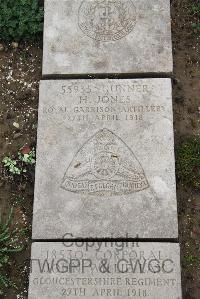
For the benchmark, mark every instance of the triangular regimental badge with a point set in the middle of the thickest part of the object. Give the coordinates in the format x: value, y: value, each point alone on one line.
x: 105, y: 165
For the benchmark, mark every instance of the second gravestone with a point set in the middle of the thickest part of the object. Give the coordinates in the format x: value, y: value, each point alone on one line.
x: 115, y: 270
x: 105, y: 160
x: 107, y: 37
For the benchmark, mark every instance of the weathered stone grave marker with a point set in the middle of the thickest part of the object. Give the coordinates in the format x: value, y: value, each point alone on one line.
x: 105, y: 270
x: 101, y: 37
x: 105, y: 155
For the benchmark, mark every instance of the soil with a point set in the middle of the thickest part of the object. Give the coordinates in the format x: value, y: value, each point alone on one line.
x: 19, y: 76
x: 186, y: 105
x: 20, y: 72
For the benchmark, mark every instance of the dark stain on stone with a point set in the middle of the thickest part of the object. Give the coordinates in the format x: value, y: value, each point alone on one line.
x: 100, y: 64
x: 77, y: 165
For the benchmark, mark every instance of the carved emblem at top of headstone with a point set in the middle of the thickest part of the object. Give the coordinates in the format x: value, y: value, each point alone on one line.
x: 105, y: 165
x: 107, y: 20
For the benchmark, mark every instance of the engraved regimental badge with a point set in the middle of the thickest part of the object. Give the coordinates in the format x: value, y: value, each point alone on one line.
x: 107, y: 20
x: 104, y: 165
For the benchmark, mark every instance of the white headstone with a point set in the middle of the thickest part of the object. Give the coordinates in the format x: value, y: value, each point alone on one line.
x: 108, y: 36
x: 105, y: 160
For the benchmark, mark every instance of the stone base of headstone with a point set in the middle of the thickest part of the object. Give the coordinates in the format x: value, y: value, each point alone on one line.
x: 105, y: 270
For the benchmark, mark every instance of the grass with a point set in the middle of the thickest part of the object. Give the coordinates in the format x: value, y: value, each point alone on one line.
x: 196, y: 8
x: 188, y: 162
x: 9, y: 240
x: 20, y: 20
x: 196, y: 27
x: 19, y: 164
x: 192, y: 260
x: 196, y: 13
